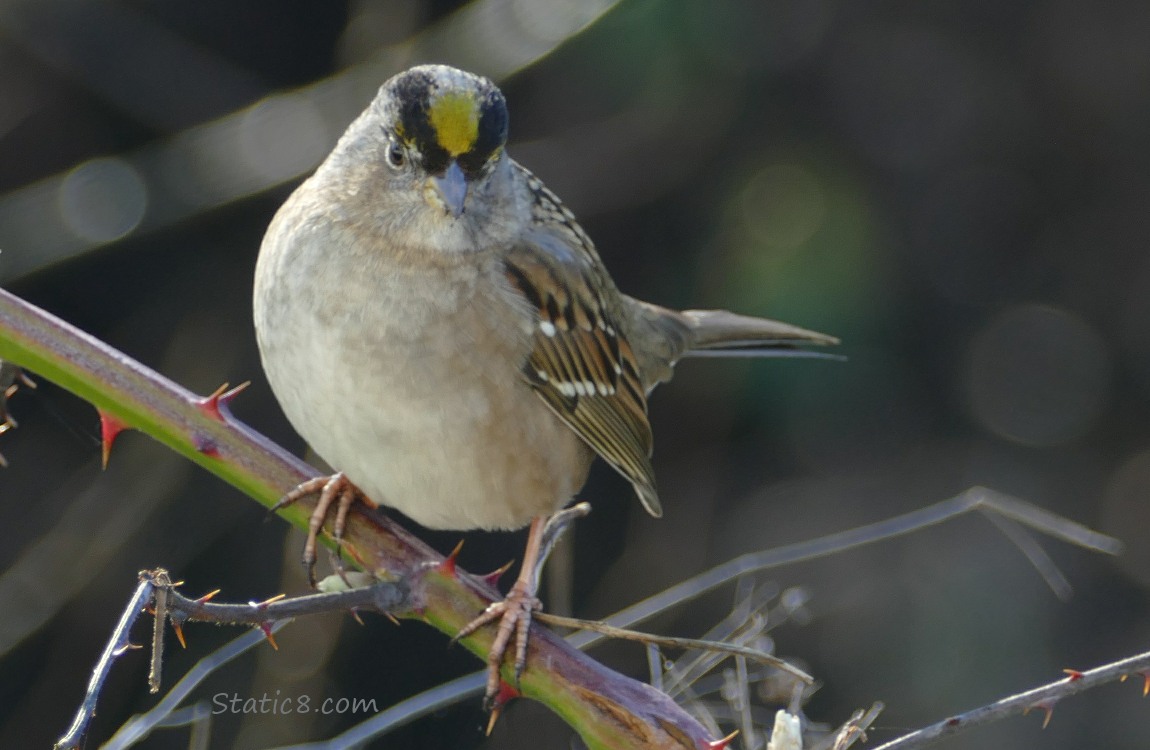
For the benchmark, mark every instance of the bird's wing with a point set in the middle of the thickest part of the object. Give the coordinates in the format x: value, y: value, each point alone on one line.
x: 581, y: 363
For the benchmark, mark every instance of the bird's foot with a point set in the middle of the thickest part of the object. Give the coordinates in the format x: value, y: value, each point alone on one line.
x: 336, y: 489
x: 514, y: 616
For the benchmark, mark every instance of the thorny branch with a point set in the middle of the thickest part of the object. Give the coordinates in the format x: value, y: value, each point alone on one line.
x: 1041, y: 698
x: 156, y: 588
x: 590, y: 697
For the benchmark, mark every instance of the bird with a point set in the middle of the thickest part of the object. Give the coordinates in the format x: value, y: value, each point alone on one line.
x: 440, y: 329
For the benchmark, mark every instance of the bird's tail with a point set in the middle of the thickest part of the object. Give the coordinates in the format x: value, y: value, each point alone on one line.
x: 718, y: 333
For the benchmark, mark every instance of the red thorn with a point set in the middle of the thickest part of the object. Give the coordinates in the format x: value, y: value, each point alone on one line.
x: 721, y: 744
x: 110, y: 429
x: 492, y: 578
x: 267, y: 628
x: 216, y: 405
x: 953, y: 721
x: 506, y: 694
x: 1073, y: 675
x: 447, y: 567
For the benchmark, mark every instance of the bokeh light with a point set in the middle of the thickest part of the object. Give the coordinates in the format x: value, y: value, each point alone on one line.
x: 103, y: 200
x: 1038, y: 375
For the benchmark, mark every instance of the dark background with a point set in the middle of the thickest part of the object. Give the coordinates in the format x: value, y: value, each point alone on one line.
x: 958, y: 190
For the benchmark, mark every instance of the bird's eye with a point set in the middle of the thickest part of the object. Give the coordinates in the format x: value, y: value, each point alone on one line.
x: 396, y: 156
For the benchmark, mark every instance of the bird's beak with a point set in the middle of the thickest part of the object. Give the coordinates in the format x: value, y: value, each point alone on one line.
x: 452, y: 188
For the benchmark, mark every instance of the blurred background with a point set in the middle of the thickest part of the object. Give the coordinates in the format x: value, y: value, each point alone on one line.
x: 960, y: 191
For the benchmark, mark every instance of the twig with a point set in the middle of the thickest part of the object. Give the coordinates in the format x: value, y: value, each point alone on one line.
x: 611, y: 631
x: 855, y: 727
x: 744, y: 624
x: 117, y: 645
x: 1042, y: 698
x: 163, y: 587
x: 383, y: 597
x: 975, y: 498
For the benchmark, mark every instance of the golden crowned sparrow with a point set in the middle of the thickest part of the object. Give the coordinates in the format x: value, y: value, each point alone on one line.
x: 440, y: 329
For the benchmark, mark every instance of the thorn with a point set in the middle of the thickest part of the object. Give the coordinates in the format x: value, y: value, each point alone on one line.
x: 208, y: 596
x: 393, y: 618
x: 179, y: 633
x: 447, y: 567
x: 1073, y: 675
x: 210, y: 404
x: 505, y: 695
x: 110, y: 429
x: 1047, y: 708
x: 1145, y: 682
x: 492, y: 578
x: 355, y: 614
x: 216, y: 405
x: 126, y: 648
x: 266, y: 602
x: 227, y: 397
x: 496, y: 712
x: 722, y: 744
x: 267, y: 628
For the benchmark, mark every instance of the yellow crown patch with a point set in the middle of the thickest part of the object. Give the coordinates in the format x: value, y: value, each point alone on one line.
x: 455, y: 117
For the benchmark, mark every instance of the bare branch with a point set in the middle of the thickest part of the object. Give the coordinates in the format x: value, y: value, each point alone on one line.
x: 610, y: 631
x: 117, y: 645
x: 976, y: 498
